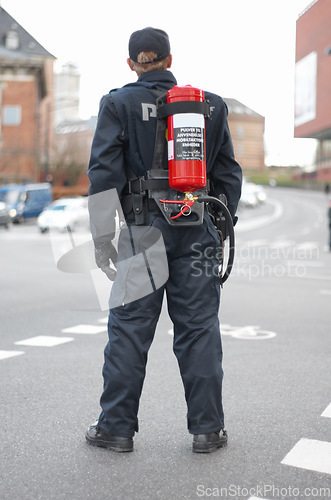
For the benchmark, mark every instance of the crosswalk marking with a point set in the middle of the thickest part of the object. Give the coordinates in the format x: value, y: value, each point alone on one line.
x: 103, y: 320
x: 310, y: 454
x: 51, y: 341
x: 9, y: 354
x: 327, y: 412
x: 257, y: 498
x: 85, y: 329
x: 44, y: 341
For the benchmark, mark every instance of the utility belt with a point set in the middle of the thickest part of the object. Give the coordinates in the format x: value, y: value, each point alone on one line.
x: 136, y: 203
x: 136, y: 207
x: 135, y: 200
x: 143, y: 195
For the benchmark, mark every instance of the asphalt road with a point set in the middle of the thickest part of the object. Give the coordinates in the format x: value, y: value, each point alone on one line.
x: 275, y: 318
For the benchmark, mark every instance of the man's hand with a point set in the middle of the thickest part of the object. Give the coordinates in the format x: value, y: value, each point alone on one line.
x: 105, y: 253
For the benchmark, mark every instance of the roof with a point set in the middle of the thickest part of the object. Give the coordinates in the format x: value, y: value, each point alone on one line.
x: 237, y: 108
x: 308, y: 7
x: 27, y: 49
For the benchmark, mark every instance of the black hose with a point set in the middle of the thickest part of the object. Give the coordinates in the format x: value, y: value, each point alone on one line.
x: 228, y: 218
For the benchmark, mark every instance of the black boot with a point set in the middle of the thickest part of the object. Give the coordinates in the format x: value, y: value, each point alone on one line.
x: 206, y: 443
x: 95, y: 436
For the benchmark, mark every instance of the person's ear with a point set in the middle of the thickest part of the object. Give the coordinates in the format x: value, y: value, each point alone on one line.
x: 130, y: 63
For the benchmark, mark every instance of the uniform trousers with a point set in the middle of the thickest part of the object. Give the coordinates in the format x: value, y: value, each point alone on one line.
x: 193, y: 298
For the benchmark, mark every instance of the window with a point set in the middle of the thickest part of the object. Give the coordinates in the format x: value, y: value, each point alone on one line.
x: 239, y: 149
x: 12, y: 40
x: 240, y: 131
x: 12, y: 115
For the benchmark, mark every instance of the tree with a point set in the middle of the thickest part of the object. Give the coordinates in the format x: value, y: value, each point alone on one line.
x: 70, y: 158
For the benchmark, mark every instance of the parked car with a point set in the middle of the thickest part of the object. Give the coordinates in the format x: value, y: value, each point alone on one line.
x: 5, y: 219
x: 26, y: 201
x: 252, y: 195
x: 248, y: 196
x: 65, y: 214
x: 259, y: 192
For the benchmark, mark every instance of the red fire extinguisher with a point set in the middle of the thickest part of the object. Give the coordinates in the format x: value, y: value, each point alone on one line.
x: 186, y: 143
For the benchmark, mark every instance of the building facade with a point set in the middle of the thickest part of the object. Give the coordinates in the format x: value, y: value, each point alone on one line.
x: 66, y: 94
x: 247, y: 132
x: 313, y: 82
x: 26, y: 104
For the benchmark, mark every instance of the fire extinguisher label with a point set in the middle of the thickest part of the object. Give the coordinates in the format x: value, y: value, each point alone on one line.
x: 189, y: 143
x: 189, y: 138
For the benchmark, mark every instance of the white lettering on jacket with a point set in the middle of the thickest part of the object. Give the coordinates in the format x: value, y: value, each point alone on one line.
x: 148, y: 110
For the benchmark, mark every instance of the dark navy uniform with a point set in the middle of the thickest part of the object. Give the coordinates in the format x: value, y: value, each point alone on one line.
x: 123, y: 146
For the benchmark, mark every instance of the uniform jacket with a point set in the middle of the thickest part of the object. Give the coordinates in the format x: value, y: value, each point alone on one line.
x: 125, y: 134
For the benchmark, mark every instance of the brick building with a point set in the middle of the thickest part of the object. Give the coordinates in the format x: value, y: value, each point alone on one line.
x: 26, y: 104
x: 247, y: 130
x: 313, y: 82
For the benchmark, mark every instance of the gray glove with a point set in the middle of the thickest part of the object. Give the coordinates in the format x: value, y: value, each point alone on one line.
x: 105, y: 253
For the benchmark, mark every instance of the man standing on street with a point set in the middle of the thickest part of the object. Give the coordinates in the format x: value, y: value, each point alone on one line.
x: 122, y: 151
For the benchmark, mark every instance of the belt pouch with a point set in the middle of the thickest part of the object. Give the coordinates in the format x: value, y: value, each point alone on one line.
x: 139, y: 209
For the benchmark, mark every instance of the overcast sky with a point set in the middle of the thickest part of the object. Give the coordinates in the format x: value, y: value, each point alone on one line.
x: 241, y: 49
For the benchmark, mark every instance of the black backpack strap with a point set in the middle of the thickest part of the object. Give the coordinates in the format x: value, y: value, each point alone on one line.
x: 165, y: 109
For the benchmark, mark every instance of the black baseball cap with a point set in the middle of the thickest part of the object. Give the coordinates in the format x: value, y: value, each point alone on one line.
x: 149, y: 40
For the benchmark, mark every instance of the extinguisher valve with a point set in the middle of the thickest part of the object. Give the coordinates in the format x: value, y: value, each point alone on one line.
x: 186, y: 205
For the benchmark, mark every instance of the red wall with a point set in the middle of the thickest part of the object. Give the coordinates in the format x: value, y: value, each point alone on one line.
x: 313, y: 33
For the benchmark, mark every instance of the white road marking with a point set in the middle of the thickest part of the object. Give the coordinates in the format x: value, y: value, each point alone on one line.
x: 257, y: 243
x: 257, y: 498
x: 317, y: 277
x: 103, y: 320
x: 325, y: 292
x: 310, y: 454
x: 9, y: 354
x: 249, y: 332
x: 264, y: 220
x: 306, y: 263
x: 85, y: 329
x: 282, y: 244
x: 44, y: 341
x: 307, y: 245
x: 242, y: 332
x: 327, y: 412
